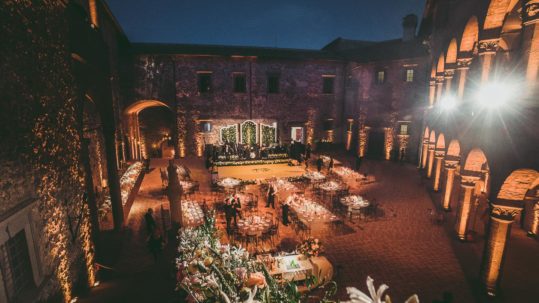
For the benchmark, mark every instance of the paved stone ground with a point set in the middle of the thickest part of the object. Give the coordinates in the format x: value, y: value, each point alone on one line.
x: 402, y: 249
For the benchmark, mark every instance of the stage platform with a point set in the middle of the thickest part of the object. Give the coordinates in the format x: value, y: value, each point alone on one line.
x: 261, y: 172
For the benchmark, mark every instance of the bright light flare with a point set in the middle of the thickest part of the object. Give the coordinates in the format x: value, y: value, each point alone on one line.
x: 448, y: 103
x: 496, y: 94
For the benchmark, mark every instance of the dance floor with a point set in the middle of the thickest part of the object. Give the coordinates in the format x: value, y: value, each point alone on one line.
x: 262, y: 172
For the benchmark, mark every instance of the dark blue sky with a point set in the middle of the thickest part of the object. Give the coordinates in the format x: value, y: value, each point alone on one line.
x: 274, y: 23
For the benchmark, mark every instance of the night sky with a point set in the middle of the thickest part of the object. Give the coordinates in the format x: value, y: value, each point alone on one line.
x: 272, y: 23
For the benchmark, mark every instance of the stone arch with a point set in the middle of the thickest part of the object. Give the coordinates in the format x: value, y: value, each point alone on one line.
x: 517, y: 184
x: 496, y: 14
x: 476, y: 161
x: 470, y: 36
x: 440, y: 143
x: 454, y: 148
x: 440, y: 67
x: 136, y: 141
x: 432, y: 138
x: 138, y: 106
x: 451, y: 56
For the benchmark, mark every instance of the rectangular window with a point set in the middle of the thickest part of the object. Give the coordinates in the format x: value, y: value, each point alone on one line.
x: 204, y: 82
x: 327, y: 85
x: 16, y: 266
x: 380, y: 77
x: 409, y: 75
x: 240, y: 84
x: 273, y: 84
x: 404, y: 129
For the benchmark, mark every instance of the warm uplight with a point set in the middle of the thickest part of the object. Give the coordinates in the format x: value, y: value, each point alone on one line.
x: 496, y: 94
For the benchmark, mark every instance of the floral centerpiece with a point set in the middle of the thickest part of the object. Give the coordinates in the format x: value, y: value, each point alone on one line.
x: 213, y: 272
x: 310, y: 247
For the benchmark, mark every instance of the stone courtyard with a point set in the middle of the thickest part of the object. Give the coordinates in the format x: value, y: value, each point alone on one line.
x: 404, y: 248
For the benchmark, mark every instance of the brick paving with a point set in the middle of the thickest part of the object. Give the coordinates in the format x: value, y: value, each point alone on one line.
x: 403, y: 249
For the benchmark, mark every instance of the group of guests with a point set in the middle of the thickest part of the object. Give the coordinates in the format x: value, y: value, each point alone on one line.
x: 232, y: 211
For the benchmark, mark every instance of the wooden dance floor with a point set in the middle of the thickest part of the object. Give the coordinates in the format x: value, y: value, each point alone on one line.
x: 262, y: 172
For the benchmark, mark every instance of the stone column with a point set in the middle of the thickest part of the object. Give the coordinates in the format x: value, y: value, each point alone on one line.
x: 424, y: 153
x: 501, y: 219
x: 439, y: 87
x: 439, y: 157
x: 450, y: 167
x: 531, y: 215
x: 463, y: 65
x: 465, y: 205
x: 430, y: 160
x: 349, y: 134
x: 448, y: 78
x: 487, y: 51
x: 388, y: 142
x: 530, y: 40
x: 363, y: 140
x: 432, y: 91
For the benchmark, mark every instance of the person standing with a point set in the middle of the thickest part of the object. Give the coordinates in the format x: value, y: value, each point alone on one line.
x: 284, y: 210
x: 228, y: 215
x: 155, y: 244
x: 271, y: 197
x: 150, y: 222
x: 308, y: 152
x: 319, y: 163
x: 236, y: 208
x: 331, y: 164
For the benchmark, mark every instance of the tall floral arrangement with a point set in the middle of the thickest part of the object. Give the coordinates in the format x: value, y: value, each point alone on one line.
x: 268, y: 134
x: 228, y: 134
x: 248, y: 133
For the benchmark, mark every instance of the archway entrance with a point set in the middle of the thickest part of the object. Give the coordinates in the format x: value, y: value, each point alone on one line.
x: 376, y: 148
x: 152, y: 129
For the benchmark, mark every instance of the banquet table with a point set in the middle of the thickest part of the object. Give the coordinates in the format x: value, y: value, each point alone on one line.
x: 254, y: 224
x: 346, y: 173
x: 192, y: 214
x: 314, y: 176
x: 283, y: 188
x: 229, y: 183
x: 309, y: 212
x: 331, y: 186
x: 354, y: 201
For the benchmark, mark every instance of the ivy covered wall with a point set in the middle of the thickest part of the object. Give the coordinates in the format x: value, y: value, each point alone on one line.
x: 40, y: 138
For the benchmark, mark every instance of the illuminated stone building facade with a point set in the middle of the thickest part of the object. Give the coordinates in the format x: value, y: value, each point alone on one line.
x: 480, y: 139
x: 348, y: 93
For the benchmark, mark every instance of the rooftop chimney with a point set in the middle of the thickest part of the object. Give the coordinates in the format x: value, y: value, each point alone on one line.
x: 409, y: 25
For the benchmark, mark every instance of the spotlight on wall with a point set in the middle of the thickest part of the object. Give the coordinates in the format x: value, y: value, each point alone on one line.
x: 494, y: 95
x: 448, y: 103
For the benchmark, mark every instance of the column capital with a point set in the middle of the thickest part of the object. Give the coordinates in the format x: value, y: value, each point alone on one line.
x: 449, y: 73
x: 469, y: 181
x: 440, y: 78
x: 504, y: 213
x: 488, y: 46
x: 432, y: 82
x: 464, y: 63
x: 530, y: 12
x: 439, y: 154
x: 451, y: 164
